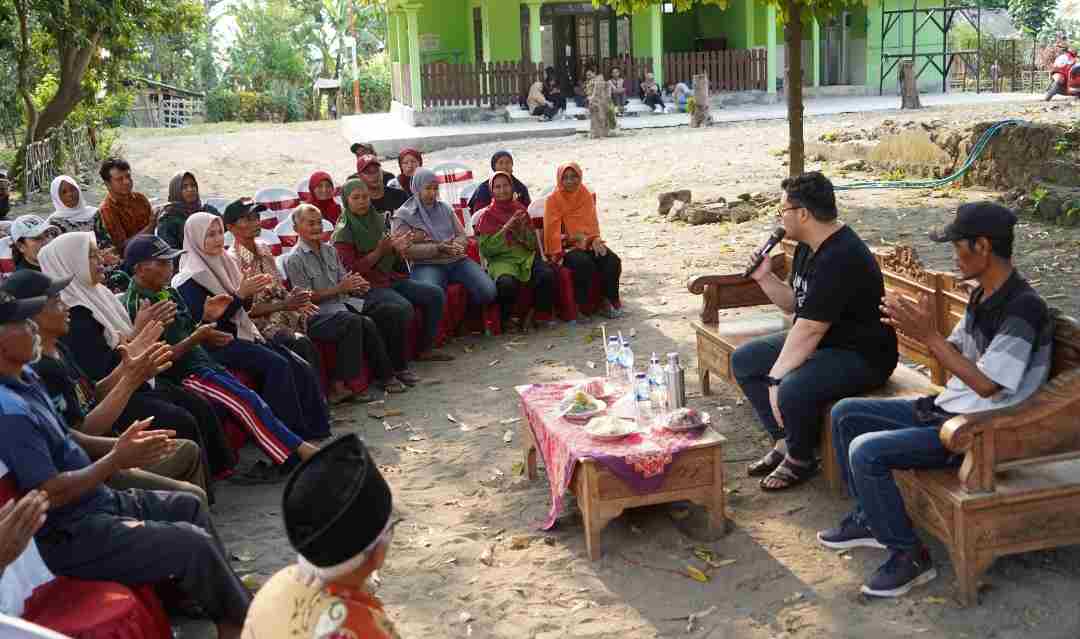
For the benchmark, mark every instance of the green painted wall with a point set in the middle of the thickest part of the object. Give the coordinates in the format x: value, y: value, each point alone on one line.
x: 729, y: 23
x: 680, y: 29
x: 761, y: 26
x: 451, y: 20
x: 642, y: 33
x: 929, y: 39
x: 505, y: 33
x: 391, y: 38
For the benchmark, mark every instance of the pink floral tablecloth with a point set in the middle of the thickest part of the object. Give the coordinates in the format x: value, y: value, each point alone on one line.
x: 641, y: 459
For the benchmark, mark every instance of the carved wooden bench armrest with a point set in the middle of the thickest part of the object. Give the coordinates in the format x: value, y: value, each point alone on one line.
x: 1043, y: 426
x: 731, y: 291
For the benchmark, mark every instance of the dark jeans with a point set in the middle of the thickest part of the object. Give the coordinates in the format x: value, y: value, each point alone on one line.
x: 148, y: 538
x: 546, y: 111
x: 584, y: 265
x: 392, y: 318
x: 871, y: 438
x: 431, y: 300
x: 286, y: 382
x: 353, y: 335
x: 653, y: 101
x: 544, y: 288
x: 301, y: 345
x: 465, y: 272
x: 827, y: 375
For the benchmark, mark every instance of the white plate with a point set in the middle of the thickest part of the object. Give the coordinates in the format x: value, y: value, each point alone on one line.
x: 628, y: 429
x: 601, y: 406
x: 705, y: 421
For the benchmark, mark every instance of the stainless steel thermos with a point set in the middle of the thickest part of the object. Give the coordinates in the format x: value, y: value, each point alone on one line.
x: 675, y: 377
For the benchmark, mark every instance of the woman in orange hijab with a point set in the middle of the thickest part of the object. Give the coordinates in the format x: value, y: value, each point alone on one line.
x: 572, y: 239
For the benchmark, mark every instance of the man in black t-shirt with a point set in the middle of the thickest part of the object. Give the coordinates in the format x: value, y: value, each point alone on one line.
x: 384, y: 199
x: 837, y: 346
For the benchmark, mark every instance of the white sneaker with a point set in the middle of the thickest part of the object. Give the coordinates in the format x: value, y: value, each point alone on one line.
x: 658, y: 109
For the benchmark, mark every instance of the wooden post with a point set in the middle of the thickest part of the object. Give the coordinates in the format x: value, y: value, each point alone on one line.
x: 599, y: 103
x: 909, y: 90
x: 701, y: 116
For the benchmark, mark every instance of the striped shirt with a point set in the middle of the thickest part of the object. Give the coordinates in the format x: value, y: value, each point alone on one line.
x: 1009, y: 336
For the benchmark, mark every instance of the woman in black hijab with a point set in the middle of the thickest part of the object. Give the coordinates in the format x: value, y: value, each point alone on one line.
x: 501, y: 161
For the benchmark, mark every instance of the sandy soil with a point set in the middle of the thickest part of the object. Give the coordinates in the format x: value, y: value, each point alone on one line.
x: 459, y: 492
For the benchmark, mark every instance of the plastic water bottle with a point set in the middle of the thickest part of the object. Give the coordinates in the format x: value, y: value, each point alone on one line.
x: 626, y: 362
x: 612, y: 351
x: 641, y: 399
x: 657, y: 386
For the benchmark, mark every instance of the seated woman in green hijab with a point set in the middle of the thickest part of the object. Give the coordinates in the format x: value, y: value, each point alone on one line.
x: 510, y: 248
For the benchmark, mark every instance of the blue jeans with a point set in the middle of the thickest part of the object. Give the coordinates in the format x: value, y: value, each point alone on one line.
x: 827, y: 375
x: 871, y: 438
x: 430, y: 298
x: 466, y: 272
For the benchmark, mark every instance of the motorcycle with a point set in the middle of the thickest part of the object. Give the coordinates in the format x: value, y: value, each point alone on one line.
x: 1064, y: 75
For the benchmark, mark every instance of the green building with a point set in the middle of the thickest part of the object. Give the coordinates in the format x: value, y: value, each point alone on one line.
x: 464, y: 42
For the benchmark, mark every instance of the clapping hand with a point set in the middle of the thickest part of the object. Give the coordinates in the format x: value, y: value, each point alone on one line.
x: 354, y: 283
x: 148, y: 364
x: 401, y: 242
x: 253, y: 285
x: 214, y: 307
x: 297, y: 299
x: 599, y: 247
x: 914, y: 320
x: 163, y: 311
x: 19, y: 521
x: 138, y: 447
x: 211, y: 336
x: 147, y: 336
x: 308, y: 310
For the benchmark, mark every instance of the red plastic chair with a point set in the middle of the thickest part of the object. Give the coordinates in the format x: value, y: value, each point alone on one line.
x: 92, y: 609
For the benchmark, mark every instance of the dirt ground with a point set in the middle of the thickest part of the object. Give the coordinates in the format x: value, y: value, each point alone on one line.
x: 458, y: 490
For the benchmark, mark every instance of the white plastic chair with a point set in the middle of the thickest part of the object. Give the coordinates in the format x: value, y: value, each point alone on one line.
x: 217, y: 201
x: 280, y: 201
x: 454, y: 178
x: 266, y: 238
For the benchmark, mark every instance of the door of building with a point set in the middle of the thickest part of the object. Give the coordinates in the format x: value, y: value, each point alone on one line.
x: 834, y: 45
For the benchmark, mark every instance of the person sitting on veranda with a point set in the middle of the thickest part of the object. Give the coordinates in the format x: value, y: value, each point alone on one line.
x: 150, y: 262
x: 437, y: 250
x: 344, y: 316
x: 322, y: 190
x: 279, y: 313
x: 680, y: 93
x: 509, y: 246
x: 503, y: 162
x: 538, y: 102
x: 209, y: 276
x: 124, y: 213
x: 360, y: 149
x: 998, y: 355
x: 92, y: 532
x: 553, y: 92
x: 572, y: 239
x: 408, y: 161
x: 30, y: 234
x: 384, y: 199
x: 837, y: 346
x: 103, y: 342
x: 71, y: 211
x: 650, y: 93
x: 76, y: 398
x: 617, y: 85
x: 339, y: 517
x: 183, y: 201
x: 366, y: 248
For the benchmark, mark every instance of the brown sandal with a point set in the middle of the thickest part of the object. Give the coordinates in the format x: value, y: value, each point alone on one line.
x: 789, y: 475
x: 766, y: 464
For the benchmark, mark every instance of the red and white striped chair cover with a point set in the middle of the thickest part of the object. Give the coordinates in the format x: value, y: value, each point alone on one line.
x: 454, y: 178
x: 305, y: 191
x: 7, y: 259
x: 280, y: 201
x: 217, y: 201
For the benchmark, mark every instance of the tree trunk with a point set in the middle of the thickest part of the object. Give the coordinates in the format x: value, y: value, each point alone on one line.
x: 73, y: 65
x: 599, y: 103
x: 909, y: 89
x: 22, y: 62
x: 793, y: 85
x: 701, y: 116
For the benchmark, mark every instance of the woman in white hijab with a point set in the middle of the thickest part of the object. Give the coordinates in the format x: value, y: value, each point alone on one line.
x: 99, y: 323
x: 286, y: 381
x: 72, y: 213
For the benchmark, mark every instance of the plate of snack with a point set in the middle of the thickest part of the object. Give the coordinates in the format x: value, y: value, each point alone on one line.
x: 609, y: 428
x: 601, y: 388
x: 580, y: 406
x: 682, y: 419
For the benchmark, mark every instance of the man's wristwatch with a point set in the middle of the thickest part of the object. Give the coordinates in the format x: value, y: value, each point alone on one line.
x: 772, y: 381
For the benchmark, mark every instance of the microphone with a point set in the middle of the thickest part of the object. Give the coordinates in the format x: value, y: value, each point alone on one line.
x: 763, y: 252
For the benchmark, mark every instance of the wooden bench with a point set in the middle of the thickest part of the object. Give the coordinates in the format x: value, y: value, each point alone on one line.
x: 1018, y: 488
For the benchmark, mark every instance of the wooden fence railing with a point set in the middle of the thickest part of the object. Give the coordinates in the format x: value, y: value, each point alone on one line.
x: 484, y: 84
x: 68, y: 149
x: 730, y: 70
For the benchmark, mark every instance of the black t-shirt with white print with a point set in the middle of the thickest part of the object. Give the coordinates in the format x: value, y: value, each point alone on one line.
x: 842, y: 284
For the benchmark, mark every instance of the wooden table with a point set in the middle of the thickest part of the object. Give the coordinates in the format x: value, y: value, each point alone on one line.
x: 695, y: 472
